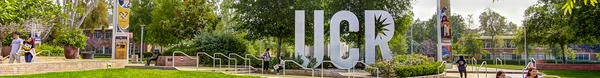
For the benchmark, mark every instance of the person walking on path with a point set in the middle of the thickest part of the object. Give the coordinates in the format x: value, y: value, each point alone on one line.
x: 266, y: 58
x: 462, y: 67
x: 29, y: 47
x: 15, y: 48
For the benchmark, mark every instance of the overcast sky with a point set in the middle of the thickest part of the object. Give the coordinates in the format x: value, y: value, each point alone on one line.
x: 513, y: 10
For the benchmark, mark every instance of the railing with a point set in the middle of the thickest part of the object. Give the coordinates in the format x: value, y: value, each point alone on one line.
x: 474, y: 62
x: 481, y: 66
x: 531, y: 63
x: 496, y: 62
x: 441, y: 65
x: 262, y: 64
x: 211, y: 57
x: 312, y: 70
x: 173, y: 57
x: 47, y: 51
x: 366, y: 65
x: 246, y: 60
x: 229, y: 61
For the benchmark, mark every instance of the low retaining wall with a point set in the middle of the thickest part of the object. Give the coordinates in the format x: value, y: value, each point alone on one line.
x: 59, y: 66
x: 549, y: 66
x: 179, y: 61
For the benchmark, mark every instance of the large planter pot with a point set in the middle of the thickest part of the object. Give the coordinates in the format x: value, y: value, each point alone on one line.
x: 5, y: 51
x: 71, y: 52
x: 87, y: 55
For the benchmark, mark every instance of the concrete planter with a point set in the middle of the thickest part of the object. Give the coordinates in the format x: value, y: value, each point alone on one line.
x: 5, y: 51
x: 71, y: 52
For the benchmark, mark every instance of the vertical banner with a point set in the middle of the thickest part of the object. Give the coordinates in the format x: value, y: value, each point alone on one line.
x: 121, y: 42
x: 444, y: 30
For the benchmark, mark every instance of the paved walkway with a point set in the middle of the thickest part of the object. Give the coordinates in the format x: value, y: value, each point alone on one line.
x: 484, y: 72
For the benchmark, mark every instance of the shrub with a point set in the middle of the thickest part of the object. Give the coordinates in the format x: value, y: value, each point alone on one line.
x: 400, y: 67
x: 74, y: 38
x: 51, y: 49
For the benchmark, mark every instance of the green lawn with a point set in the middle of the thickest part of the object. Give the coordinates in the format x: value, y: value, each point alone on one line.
x: 513, y: 67
x: 573, y: 73
x: 130, y: 73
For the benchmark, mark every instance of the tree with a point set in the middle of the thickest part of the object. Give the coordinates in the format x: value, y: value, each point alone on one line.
x: 549, y: 27
x: 99, y: 16
x: 468, y: 44
x: 20, y: 15
x: 570, y: 4
x: 140, y: 15
x: 176, y: 20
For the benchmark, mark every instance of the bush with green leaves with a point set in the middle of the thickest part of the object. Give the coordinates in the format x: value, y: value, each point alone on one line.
x: 406, y: 66
x: 73, y: 37
x: 50, y: 50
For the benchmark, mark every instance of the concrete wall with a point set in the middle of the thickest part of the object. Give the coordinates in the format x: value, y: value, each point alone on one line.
x: 59, y: 66
x: 179, y: 61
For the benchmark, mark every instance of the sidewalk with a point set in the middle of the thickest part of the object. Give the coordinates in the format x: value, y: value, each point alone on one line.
x: 483, y: 72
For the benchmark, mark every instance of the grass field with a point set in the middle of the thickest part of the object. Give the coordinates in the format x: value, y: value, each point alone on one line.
x: 130, y: 73
x: 573, y: 73
x: 512, y: 67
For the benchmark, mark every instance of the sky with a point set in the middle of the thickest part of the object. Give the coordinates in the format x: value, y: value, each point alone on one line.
x: 513, y: 10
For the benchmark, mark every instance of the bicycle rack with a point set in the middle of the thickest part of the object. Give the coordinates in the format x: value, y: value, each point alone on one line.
x: 312, y: 70
x: 262, y: 64
x: 213, y: 58
x: 496, y: 62
x: 229, y: 61
x: 173, y: 57
x: 481, y: 66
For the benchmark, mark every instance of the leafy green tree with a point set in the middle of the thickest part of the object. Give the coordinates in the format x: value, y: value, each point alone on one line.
x: 176, y: 20
x: 546, y: 26
x: 99, y: 16
x: 140, y: 16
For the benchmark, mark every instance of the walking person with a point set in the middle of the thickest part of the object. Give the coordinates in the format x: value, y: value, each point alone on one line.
x: 266, y: 58
x: 15, y: 48
x: 462, y: 67
x: 29, y: 47
x: 279, y: 66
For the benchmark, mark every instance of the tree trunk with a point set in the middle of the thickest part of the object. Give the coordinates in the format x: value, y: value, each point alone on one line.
x: 279, y: 41
x: 562, y: 48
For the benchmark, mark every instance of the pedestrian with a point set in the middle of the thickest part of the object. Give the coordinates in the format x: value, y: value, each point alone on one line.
x: 279, y: 66
x: 29, y: 47
x: 266, y: 58
x: 15, y: 48
x: 462, y: 67
x: 500, y: 74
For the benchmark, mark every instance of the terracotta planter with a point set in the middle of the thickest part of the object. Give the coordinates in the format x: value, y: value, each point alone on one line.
x: 71, y: 52
x: 5, y: 51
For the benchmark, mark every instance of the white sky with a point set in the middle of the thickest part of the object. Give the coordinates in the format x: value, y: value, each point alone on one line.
x: 513, y: 10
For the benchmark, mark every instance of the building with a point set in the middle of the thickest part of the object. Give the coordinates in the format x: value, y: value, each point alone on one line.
x: 505, y: 51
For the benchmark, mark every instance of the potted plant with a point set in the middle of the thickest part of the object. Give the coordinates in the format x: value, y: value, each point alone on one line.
x: 71, y: 41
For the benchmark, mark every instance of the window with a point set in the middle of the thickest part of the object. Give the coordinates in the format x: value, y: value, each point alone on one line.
x: 582, y: 57
x: 108, y: 35
x: 97, y: 35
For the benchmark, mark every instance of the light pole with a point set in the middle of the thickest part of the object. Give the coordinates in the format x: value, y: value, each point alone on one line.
x: 142, y: 43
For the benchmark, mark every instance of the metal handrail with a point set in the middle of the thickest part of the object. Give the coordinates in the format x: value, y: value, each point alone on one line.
x: 481, y: 66
x: 305, y: 68
x: 262, y: 64
x: 228, y: 62
x: 323, y: 66
x: 496, y: 63
x: 366, y: 65
x: 211, y: 58
x: 173, y: 62
x: 246, y: 60
x: 531, y: 63
x: 474, y: 62
x: 440, y: 66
